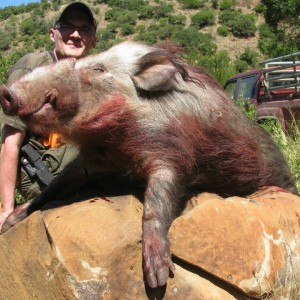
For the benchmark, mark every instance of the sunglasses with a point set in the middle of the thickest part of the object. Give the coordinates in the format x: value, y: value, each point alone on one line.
x: 68, y: 29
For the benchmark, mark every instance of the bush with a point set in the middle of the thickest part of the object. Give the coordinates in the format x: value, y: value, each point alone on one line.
x: 148, y: 37
x: 126, y: 29
x: 121, y: 16
x: 222, y: 31
x: 194, y: 41
x: 214, y: 4
x: 5, y: 64
x: 162, y: 10
x: 132, y: 5
x: 217, y: 64
x: 244, y: 26
x: 28, y: 26
x: 192, y: 4
x: 227, y: 4
x: 177, y: 19
x: 4, y: 41
x: 250, y: 57
x: 267, y: 39
x: 34, y: 24
x: 203, y: 18
x: 260, y: 8
x: 241, y: 25
x: 240, y: 66
x: 146, y: 12
x: 106, y: 34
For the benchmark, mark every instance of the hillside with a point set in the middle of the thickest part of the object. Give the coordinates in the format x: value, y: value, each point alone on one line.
x: 224, y: 36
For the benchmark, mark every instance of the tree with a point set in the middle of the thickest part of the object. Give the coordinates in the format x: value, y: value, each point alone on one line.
x: 281, y: 35
x: 278, y: 11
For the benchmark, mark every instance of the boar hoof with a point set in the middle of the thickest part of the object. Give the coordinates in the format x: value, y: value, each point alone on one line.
x: 157, y: 262
x: 19, y: 214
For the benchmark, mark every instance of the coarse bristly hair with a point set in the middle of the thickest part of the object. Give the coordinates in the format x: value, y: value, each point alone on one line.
x: 153, y: 110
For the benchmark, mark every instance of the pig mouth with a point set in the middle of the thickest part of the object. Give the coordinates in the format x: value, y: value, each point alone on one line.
x: 49, y: 104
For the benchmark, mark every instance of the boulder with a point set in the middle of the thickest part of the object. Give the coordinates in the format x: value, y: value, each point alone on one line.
x: 223, y: 248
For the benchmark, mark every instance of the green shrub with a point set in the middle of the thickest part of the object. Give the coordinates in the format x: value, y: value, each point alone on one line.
x: 227, y: 17
x: 192, y: 4
x: 260, y: 8
x: 177, y: 19
x: 162, y: 10
x: 194, y: 41
x: 217, y: 64
x: 105, y: 44
x: 227, y: 4
x: 132, y: 5
x: 140, y: 28
x: 267, y: 39
x: 126, y: 29
x: 241, y: 25
x: 121, y: 16
x: 146, y: 12
x: 4, y: 41
x: 148, y: 37
x: 106, y: 34
x: 28, y: 26
x: 240, y: 66
x: 244, y: 26
x: 214, y: 4
x: 250, y: 56
x: 203, y: 18
x: 31, y: 25
x: 222, y: 31
x: 5, y: 64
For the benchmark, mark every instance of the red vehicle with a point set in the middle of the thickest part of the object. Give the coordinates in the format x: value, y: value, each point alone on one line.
x: 274, y: 89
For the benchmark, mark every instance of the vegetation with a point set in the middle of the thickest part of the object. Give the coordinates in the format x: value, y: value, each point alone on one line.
x: 25, y: 28
x: 204, y: 18
x: 289, y: 144
x: 193, y: 24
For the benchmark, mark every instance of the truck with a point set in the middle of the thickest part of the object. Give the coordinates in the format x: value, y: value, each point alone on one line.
x: 274, y: 89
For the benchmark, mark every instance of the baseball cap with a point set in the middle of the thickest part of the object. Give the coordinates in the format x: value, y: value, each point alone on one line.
x: 80, y: 6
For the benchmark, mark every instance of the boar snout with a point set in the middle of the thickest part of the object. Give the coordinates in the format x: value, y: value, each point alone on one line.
x: 8, y: 102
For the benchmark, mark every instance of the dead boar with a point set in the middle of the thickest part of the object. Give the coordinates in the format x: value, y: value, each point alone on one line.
x: 158, y: 118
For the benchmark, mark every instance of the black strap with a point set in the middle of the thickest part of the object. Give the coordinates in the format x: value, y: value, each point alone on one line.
x: 51, y: 52
x: 35, y: 161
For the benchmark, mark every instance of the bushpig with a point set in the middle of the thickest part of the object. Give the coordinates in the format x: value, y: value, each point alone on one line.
x: 154, y: 116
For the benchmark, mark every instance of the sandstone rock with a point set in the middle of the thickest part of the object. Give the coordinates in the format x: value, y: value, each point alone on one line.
x: 230, y: 248
x: 251, y: 243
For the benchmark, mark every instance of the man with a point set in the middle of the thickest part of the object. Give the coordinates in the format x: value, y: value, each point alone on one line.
x: 73, y: 35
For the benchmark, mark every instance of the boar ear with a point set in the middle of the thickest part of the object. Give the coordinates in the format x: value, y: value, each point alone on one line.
x: 155, y: 73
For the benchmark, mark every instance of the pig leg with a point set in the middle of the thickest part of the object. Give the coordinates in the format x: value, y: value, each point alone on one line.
x: 65, y: 184
x: 161, y: 195
x: 19, y: 213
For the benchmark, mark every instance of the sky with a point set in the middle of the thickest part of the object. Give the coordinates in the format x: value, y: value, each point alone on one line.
x: 4, y: 3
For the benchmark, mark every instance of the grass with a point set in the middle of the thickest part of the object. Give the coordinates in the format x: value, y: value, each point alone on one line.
x: 289, y: 144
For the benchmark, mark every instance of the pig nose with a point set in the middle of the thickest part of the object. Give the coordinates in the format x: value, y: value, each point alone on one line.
x: 8, y: 103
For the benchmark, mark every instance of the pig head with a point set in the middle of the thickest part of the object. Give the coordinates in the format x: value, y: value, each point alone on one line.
x: 159, y: 118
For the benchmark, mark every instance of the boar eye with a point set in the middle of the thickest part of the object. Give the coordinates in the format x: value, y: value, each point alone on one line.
x: 99, y: 69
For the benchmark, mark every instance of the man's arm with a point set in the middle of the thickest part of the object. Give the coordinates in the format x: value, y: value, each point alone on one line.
x: 12, y: 139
